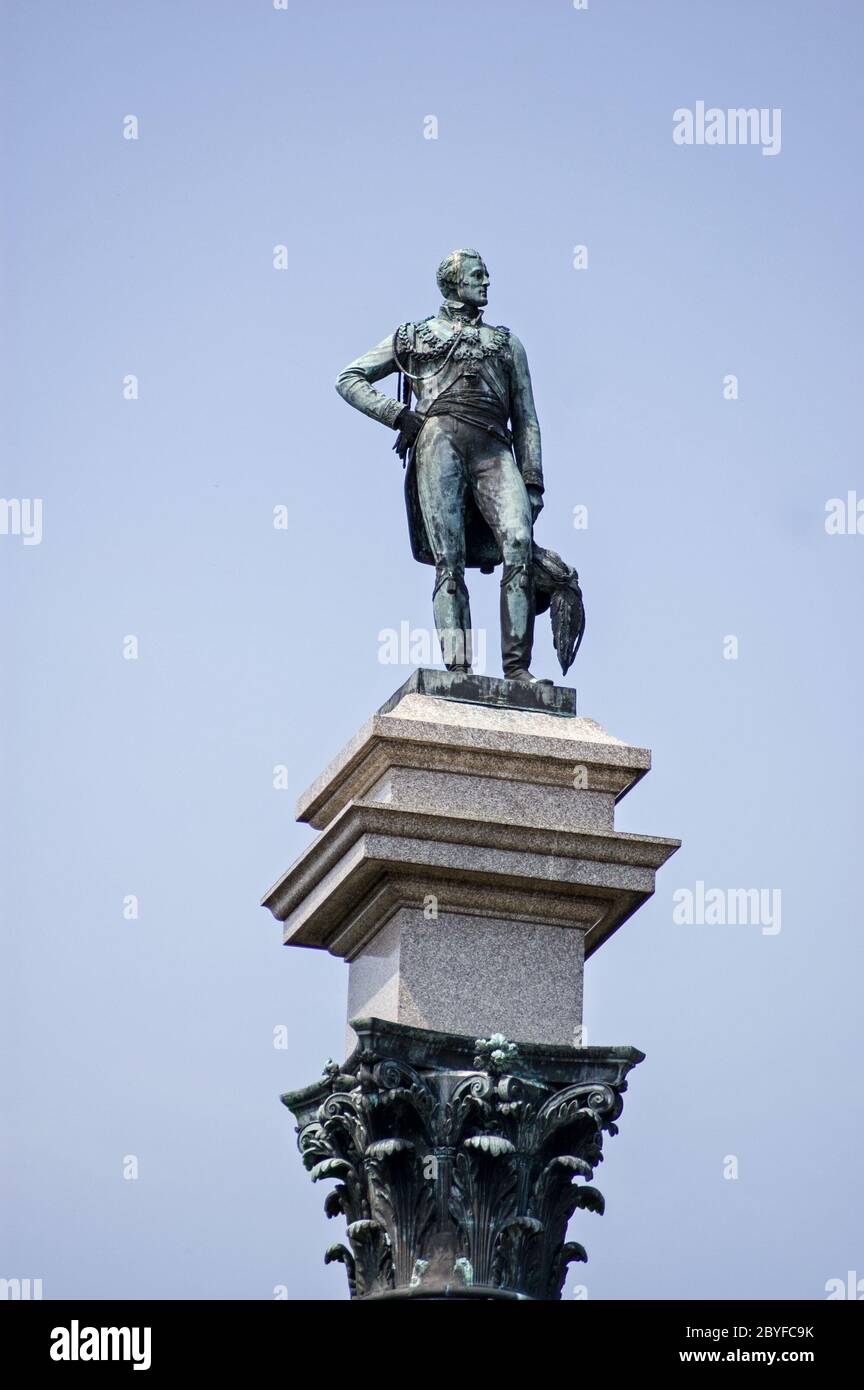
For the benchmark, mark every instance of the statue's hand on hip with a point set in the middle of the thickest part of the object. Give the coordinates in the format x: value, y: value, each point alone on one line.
x: 408, y: 424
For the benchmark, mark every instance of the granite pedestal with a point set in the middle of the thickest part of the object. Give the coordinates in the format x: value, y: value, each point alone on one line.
x: 467, y: 862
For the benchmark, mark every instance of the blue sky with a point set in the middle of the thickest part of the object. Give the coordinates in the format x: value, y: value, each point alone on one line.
x: 259, y: 647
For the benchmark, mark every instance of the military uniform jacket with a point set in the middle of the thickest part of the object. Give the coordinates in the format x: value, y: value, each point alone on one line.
x: 441, y: 354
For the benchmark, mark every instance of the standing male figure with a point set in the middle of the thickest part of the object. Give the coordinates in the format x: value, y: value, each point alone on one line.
x: 470, y: 501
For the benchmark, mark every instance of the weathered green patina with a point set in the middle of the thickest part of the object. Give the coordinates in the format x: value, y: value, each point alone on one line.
x: 474, y: 479
x: 459, y: 1162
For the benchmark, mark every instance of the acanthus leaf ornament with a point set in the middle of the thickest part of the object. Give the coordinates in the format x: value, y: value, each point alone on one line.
x: 460, y: 1162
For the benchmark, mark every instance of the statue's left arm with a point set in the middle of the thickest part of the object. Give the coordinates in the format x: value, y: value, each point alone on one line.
x: 523, y: 417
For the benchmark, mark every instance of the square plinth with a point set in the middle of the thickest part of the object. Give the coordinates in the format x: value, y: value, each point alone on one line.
x: 457, y: 972
x: 495, y: 805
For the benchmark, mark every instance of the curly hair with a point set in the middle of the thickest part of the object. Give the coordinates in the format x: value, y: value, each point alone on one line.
x: 449, y: 269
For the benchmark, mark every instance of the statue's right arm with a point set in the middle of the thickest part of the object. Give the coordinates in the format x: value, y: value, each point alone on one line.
x: 354, y: 384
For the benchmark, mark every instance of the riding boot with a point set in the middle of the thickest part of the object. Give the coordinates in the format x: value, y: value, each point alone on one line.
x: 517, y: 621
x: 452, y: 617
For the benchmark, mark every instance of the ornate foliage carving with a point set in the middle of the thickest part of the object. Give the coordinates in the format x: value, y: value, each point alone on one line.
x: 457, y: 1182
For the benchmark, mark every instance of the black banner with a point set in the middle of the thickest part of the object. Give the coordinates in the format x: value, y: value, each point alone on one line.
x: 155, y: 1338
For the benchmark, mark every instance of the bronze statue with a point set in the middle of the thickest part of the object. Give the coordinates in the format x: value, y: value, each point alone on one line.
x: 474, y: 480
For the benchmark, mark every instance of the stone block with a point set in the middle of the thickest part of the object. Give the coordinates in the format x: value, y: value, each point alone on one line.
x: 467, y: 861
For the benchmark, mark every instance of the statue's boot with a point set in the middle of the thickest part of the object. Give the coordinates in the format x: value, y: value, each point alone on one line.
x: 517, y: 624
x: 452, y: 617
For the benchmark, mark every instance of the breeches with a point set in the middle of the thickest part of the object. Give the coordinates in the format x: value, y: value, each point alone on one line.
x: 450, y: 458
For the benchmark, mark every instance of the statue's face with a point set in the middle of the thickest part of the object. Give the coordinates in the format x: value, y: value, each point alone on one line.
x: 473, y: 284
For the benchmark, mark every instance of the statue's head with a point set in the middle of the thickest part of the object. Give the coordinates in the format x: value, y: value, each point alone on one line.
x: 463, y: 276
